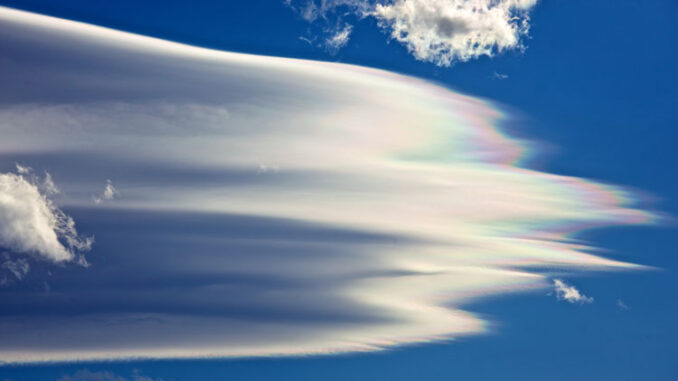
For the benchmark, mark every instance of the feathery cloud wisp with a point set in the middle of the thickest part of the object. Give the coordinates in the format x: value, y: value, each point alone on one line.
x: 339, y: 39
x: 496, y: 75
x: 18, y: 268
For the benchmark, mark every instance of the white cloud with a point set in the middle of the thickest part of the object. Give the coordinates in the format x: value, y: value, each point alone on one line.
x: 339, y: 39
x: 22, y: 170
x: 397, y: 204
x: 622, y: 305
x: 30, y: 223
x: 109, y: 193
x: 445, y: 31
x: 496, y: 75
x: 437, y: 31
x: 570, y: 293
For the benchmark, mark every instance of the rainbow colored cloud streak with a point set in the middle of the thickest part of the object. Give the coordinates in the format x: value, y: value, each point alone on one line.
x: 437, y: 210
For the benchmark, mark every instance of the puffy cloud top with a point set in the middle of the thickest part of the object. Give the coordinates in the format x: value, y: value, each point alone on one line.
x: 437, y: 31
x: 30, y: 222
x: 445, y: 31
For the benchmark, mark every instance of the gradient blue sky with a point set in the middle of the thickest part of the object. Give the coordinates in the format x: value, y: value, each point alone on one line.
x: 597, y: 83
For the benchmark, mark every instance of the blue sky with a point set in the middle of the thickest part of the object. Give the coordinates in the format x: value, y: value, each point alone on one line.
x: 594, y: 87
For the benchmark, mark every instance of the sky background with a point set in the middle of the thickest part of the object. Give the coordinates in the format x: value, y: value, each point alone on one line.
x: 596, y: 84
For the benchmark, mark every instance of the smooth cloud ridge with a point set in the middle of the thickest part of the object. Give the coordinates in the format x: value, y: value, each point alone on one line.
x: 30, y: 223
x: 439, y: 31
x: 271, y: 206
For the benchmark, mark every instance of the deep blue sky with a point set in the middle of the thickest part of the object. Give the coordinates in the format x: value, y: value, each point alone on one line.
x: 597, y: 83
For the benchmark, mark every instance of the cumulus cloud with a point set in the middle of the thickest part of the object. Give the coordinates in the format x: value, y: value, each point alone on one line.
x: 445, y: 31
x: 569, y: 293
x: 438, y: 31
x: 30, y: 223
x: 108, y: 194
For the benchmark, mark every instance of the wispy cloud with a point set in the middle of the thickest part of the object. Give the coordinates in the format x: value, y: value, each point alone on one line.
x: 496, y: 75
x: 622, y: 305
x: 48, y: 185
x: 569, y: 293
x: 339, y: 38
x: 23, y: 170
x: 17, y: 268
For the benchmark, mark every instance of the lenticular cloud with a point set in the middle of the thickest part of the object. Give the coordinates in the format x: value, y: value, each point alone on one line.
x: 271, y: 206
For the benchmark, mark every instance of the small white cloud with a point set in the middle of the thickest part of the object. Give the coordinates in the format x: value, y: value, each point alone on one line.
x: 109, y: 193
x: 496, y: 75
x: 30, y: 223
x: 23, y: 170
x: 622, y: 305
x: 570, y: 293
x: 339, y: 39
